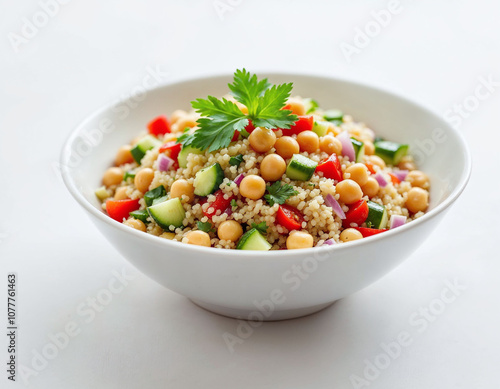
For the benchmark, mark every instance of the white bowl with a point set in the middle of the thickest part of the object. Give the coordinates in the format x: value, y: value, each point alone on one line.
x: 279, y: 284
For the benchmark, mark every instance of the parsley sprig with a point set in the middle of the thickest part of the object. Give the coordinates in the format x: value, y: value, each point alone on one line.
x: 278, y: 193
x: 220, y: 118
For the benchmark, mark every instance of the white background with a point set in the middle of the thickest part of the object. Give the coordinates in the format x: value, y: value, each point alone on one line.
x: 92, y: 52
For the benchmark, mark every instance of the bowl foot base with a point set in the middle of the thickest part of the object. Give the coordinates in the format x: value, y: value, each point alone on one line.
x: 256, y: 315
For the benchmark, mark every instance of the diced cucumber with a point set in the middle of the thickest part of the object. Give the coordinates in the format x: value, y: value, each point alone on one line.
x: 320, y: 127
x: 253, y: 240
x: 300, y: 168
x: 159, y: 200
x: 310, y: 105
x: 377, y: 215
x: 208, y: 180
x: 334, y: 115
x: 154, y: 194
x: 147, y: 143
x: 359, y: 149
x: 141, y: 215
x: 168, y: 213
x: 185, y: 151
x: 390, y: 152
x: 102, y: 193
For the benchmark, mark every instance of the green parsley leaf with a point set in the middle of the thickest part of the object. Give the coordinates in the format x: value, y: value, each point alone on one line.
x: 154, y: 194
x: 247, y: 89
x: 236, y: 160
x: 205, y: 227
x: 221, y: 118
x: 279, y: 193
x: 234, y: 204
x: 261, y: 227
x: 269, y: 113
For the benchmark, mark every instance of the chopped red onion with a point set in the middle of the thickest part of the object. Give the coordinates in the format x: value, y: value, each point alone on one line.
x: 229, y: 211
x: 347, y: 147
x: 380, y: 179
x: 330, y: 242
x: 239, y: 178
x: 164, y: 162
x: 400, y: 174
x: 334, y: 204
x: 397, y: 221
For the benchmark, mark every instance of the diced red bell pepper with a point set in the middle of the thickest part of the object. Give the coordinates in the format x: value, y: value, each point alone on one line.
x: 287, y: 107
x: 235, y: 136
x: 304, y: 123
x: 394, y: 179
x: 159, y: 126
x: 358, y: 213
x: 331, y: 168
x: 289, y: 217
x: 120, y: 209
x: 366, y: 232
x: 219, y: 204
x: 370, y: 167
x: 250, y: 127
x: 172, y: 150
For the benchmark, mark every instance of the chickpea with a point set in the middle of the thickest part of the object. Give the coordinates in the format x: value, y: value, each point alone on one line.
x: 296, y: 106
x: 182, y: 188
x: 253, y: 187
x: 371, y: 187
x: 135, y: 223
x: 330, y: 145
x: 121, y: 193
x: 198, y: 238
x: 176, y: 115
x: 299, y: 240
x: 262, y: 140
x: 350, y: 234
x: 418, y: 200
x: 243, y: 108
x: 123, y: 155
x: 308, y: 141
x: 349, y: 191
x: 286, y: 146
x: 359, y: 173
x: 369, y: 148
x: 377, y: 161
x: 418, y: 179
x: 184, y: 122
x: 332, y: 129
x: 407, y: 165
x: 230, y: 230
x: 112, y: 176
x: 168, y: 235
x: 272, y: 167
x: 143, y: 179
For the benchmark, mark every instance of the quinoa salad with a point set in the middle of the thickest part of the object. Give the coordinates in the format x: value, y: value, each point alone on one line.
x: 260, y: 170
